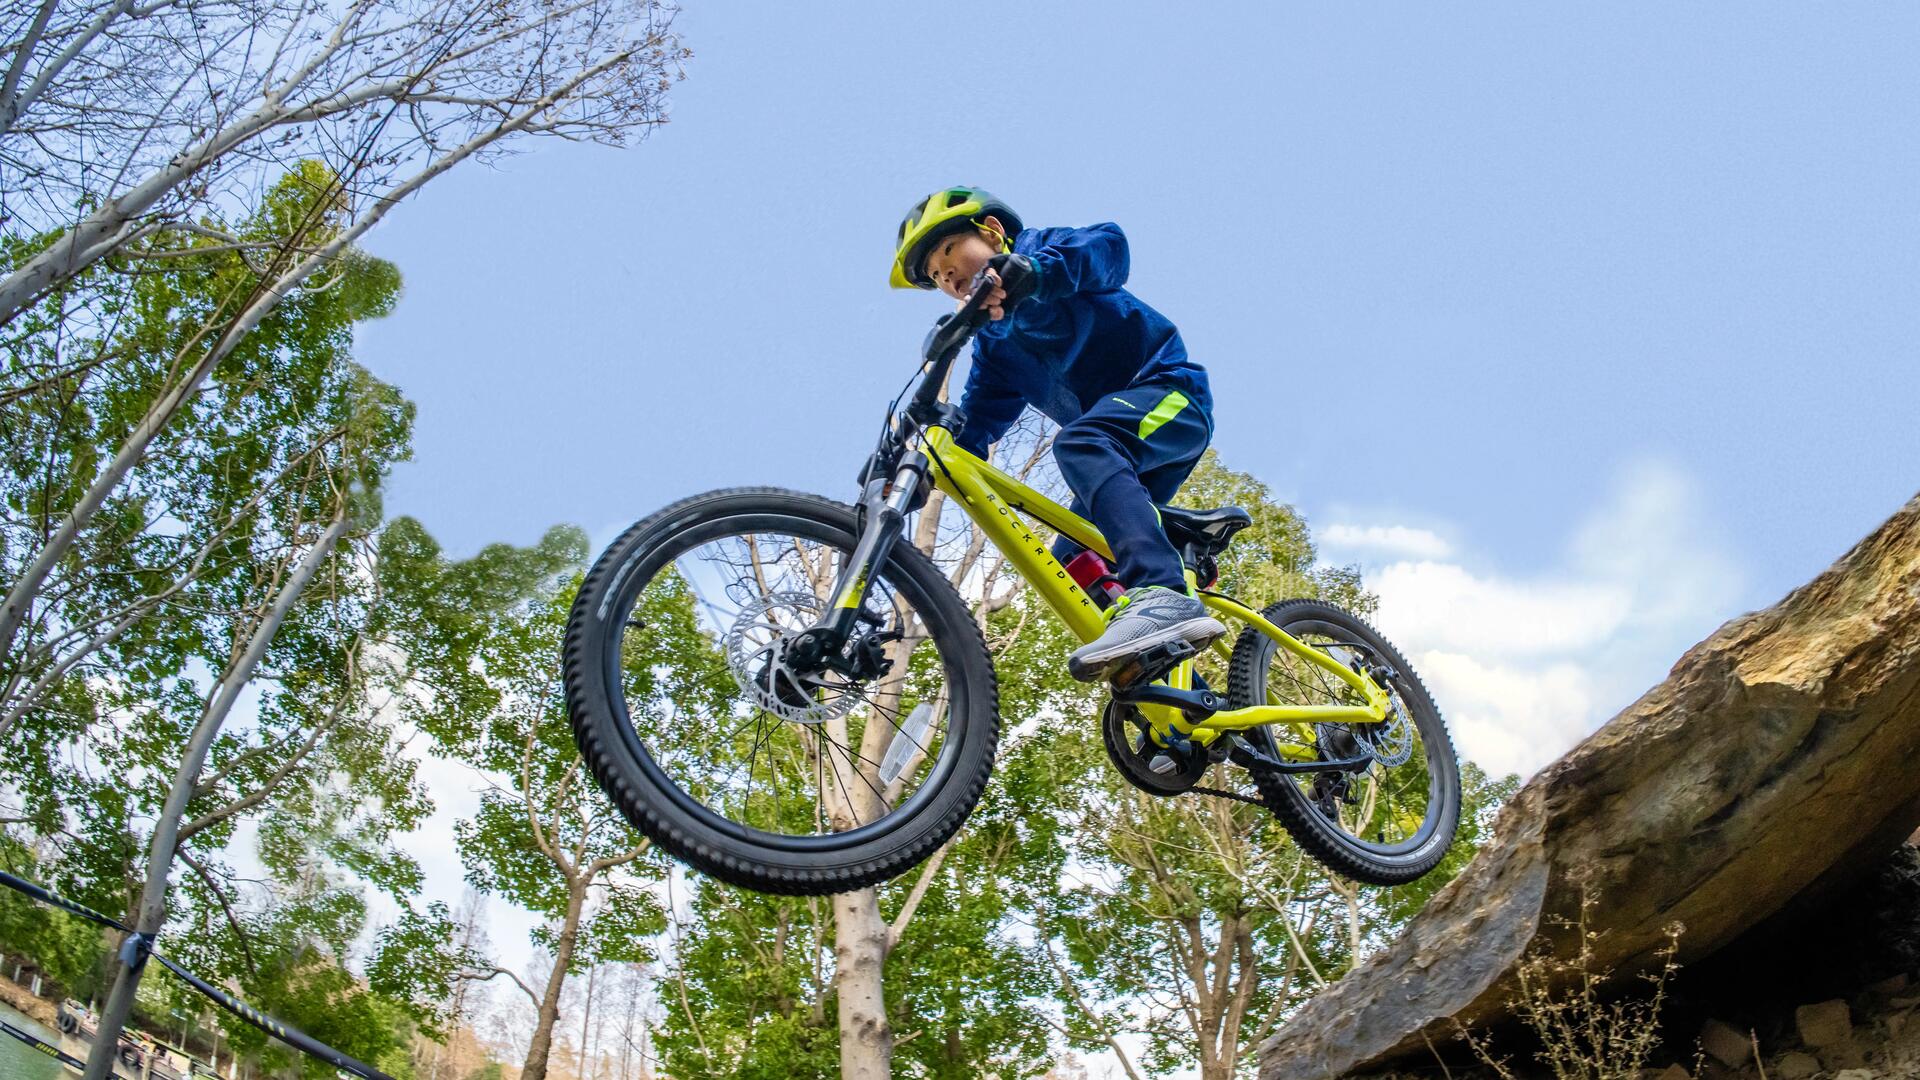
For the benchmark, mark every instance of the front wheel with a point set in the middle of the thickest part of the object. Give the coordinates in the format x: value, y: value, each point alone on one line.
x: 1387, y: 819
x: 714, y: 738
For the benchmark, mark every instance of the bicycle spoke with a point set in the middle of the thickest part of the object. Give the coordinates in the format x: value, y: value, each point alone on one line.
x: 852, y: 754
x: 846, y: 796
x: 753, y: 754
x: 742, y: 726
x: 1375, y: 802
x: 889, y: 717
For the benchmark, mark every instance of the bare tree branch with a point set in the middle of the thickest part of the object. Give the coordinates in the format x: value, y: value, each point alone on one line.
x: 265, y: 789
x: 918, y: 893
x: 1093, y: 1018
x: 219, y: 894
x: 488, y: 973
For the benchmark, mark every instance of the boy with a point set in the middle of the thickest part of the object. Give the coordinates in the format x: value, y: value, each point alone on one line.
x: 1066, y: 338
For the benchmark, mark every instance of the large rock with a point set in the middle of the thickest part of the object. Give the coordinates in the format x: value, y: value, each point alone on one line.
x: 1778, y: 753
x: 1824, y: 1024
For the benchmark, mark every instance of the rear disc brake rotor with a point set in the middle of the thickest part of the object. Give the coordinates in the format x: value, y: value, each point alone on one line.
x: 1389, y: 742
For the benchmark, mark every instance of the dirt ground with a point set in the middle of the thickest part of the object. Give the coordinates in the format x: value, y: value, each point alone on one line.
x: 38, y: 1009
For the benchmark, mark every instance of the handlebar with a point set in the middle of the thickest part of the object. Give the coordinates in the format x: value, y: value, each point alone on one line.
x: 944, y: 342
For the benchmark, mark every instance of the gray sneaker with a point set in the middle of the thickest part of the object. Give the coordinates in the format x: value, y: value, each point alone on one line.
x: 1140, y: 620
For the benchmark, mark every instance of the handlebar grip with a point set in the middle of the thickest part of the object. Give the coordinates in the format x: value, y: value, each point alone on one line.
x: 975, y: 309
x: 953, y: 330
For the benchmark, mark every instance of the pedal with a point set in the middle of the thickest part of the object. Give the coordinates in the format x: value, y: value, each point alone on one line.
x: 1151, y: 664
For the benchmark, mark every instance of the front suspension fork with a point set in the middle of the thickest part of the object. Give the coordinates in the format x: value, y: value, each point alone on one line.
x: 885, y: 513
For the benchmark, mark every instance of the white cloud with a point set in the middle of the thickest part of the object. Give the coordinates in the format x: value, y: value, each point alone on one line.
x: 1507, y: 718
x: 1524, y: 666
x: 1387, y: 539
x: 1446, y: 606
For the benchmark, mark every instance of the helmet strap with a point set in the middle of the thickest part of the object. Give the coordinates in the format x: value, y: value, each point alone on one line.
x: 995, y: 237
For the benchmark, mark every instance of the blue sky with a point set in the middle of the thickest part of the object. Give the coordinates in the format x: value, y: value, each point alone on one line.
x: 1443, y: 266
x: 1581, y: 328
x: 1460, y: 272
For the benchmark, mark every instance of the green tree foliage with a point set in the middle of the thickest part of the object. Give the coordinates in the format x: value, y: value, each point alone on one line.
x: 164, y: 589
x: 64, y: 948
x: 176, y: 565
x: 292, y: 965
x: 483, y: 655
x: 756, y: 970
x: 963, y: 987
x: 747, y: 993
x: 275, y: 433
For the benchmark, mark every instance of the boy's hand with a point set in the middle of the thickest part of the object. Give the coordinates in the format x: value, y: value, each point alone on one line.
x: 1014, y: 277
x: 996, y: 299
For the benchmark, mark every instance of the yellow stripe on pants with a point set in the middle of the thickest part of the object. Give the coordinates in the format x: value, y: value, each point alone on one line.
x: 1168, y: 408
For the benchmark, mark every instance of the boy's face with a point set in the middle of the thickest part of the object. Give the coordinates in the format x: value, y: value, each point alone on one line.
x: 956, y: 260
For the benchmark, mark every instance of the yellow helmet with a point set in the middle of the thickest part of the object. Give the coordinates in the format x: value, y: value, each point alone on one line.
x: 941, y: 214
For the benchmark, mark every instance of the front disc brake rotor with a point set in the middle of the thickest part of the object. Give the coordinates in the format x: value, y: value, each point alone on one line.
x: 757, y: 646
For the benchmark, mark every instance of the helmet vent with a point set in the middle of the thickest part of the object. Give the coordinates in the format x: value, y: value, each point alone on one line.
x: 955, y: 198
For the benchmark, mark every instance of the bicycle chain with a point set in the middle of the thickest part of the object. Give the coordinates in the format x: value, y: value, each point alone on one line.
x: 1253, y: 800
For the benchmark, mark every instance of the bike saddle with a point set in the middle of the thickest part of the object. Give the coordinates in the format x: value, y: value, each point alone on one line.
x: 1206, y: 530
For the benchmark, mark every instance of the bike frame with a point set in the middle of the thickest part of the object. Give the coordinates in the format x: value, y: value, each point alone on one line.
x: 996, y: 501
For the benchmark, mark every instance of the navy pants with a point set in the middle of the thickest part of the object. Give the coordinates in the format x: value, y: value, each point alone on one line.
x: 1129, y: 451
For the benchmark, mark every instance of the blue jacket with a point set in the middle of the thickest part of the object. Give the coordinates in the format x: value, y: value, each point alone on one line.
x: 1079, y: 337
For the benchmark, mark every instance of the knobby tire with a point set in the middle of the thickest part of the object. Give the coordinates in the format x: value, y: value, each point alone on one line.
x: 620, y: 763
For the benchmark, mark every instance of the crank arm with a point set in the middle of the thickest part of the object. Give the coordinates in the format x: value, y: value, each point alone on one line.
x: 1197, y: 704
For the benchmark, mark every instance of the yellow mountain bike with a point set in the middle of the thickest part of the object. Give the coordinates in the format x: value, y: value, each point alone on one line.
x: 783, y: 694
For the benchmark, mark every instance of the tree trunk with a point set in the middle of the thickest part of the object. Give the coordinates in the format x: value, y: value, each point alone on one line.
x: 152, y: 913
x: 860, y: 958
x: 626, y: 1029
x: 586, y: 1023
x: 536, y: 1065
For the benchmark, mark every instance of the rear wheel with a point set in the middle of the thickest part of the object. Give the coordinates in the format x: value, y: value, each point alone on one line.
x: 697, y: 719
x: 1390, y: 817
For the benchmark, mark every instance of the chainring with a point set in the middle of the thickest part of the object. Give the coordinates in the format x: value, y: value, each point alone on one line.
x: 1132, y: 750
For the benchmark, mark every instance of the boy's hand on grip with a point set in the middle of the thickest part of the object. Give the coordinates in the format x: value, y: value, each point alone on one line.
x: 1017, y: 275
x: 1011, y: 278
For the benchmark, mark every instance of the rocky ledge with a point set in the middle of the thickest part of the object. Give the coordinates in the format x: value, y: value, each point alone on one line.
x: 1774, y: 764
